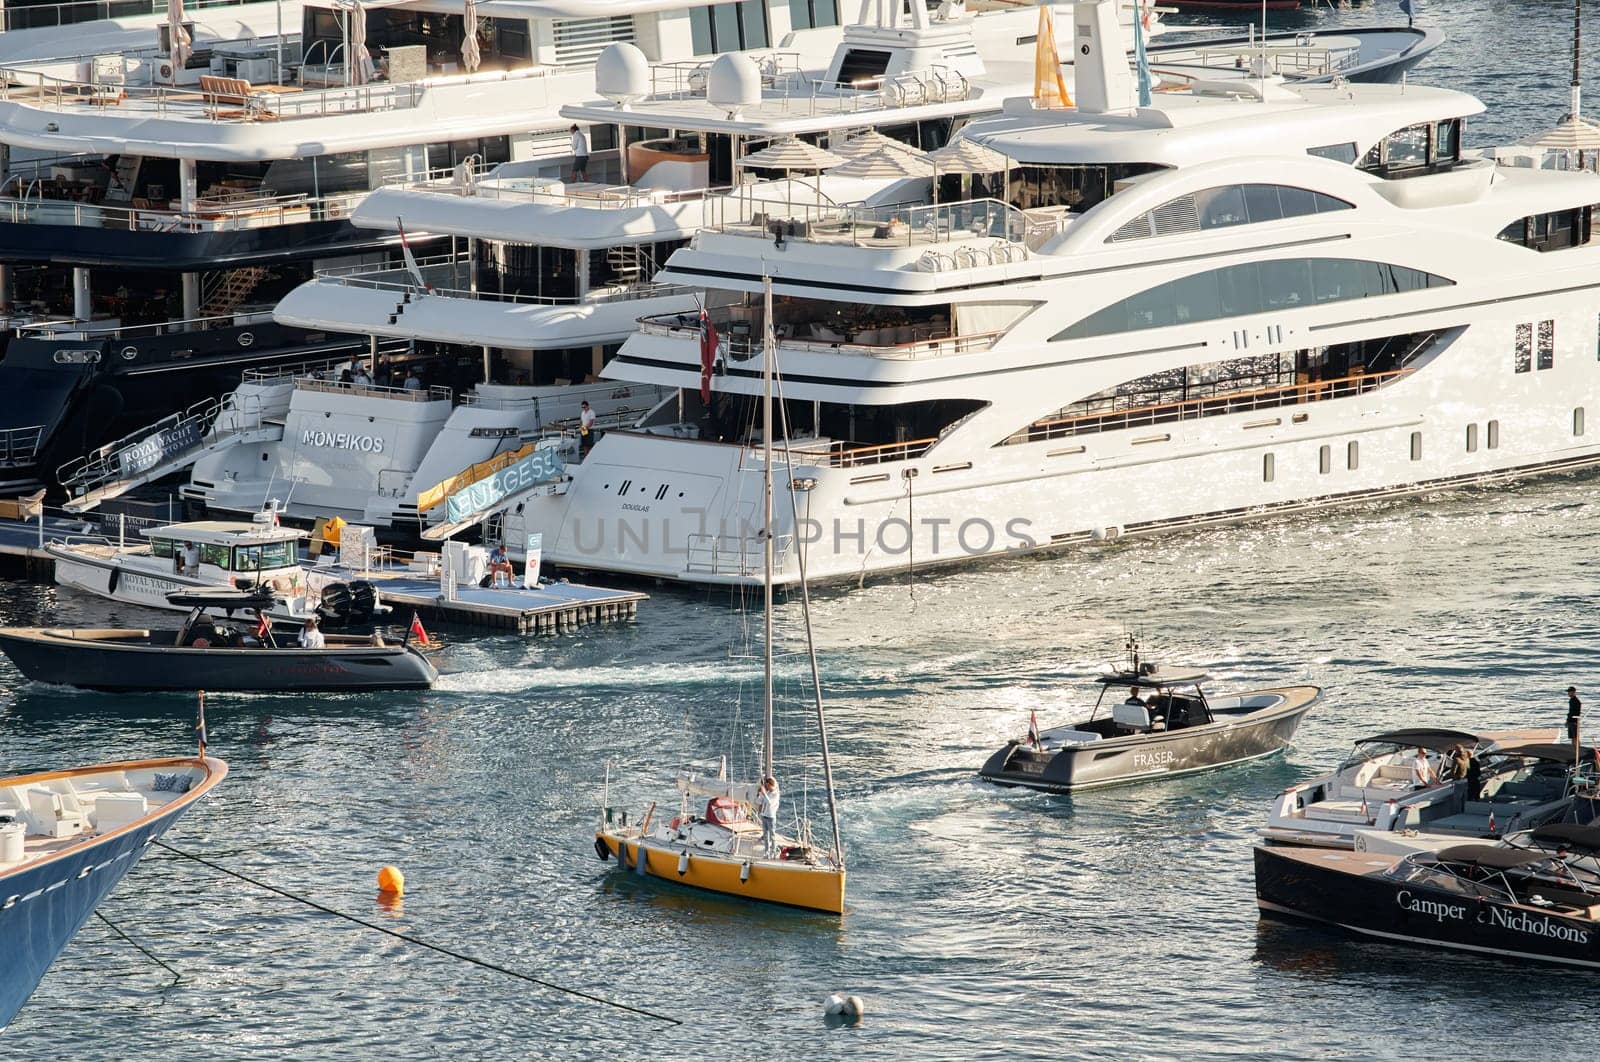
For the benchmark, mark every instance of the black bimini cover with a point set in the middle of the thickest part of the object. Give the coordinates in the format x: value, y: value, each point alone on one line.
x: 1424, y: 738
x: 1568, y: 835
x: 257, y: 597
x: 1535, y: 750
x: 1157, y: 678
x: 1488, y: 855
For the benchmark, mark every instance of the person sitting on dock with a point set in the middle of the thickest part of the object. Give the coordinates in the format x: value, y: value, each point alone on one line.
x: 311, y: 636
x: 500, y: 564
x: 1422, y: 773
x: 767, y: 812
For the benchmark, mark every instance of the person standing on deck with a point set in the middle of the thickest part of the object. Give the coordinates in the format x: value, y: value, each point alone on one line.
x: 1574, y: 711
x: 767, y: 812
x: 311, y: 636
x: 580, y: 155
x: 585, y: 429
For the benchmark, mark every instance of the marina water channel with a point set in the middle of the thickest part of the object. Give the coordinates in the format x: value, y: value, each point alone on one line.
x: 982, y: 923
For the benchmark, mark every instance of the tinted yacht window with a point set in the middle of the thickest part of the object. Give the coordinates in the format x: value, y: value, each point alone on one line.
x: 1216, y: 208
x: 1249, y: 288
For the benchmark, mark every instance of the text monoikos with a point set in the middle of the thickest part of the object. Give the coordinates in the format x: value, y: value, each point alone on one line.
x: 342, y: 440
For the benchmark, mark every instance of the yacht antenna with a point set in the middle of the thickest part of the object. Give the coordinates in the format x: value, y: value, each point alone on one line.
x: 1262, y: 73
x: 1577, y: 52
x: 766, y: 526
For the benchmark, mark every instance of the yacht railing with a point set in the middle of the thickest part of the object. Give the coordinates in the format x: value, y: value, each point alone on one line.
x: 1300, y: 59
x: 38, y: 16
x: 271, y: 374
x: 481, y: 184
x: 901, y: 225
x: 33, y: 84
x: 792, y: 93
x: 743, y: 555
x: 745, y: 345
x: 448, y: 277
x: 208, y: 215
x: 91, y: 332
x: 18, y: 446
x: 433, y: 393
x: 686, y: 78
x: 1089, y: 423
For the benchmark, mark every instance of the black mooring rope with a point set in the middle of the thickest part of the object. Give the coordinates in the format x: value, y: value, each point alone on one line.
x: 146, y: 952
x: 485, y: 964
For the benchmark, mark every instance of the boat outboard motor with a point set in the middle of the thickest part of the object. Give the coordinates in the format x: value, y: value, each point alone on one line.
x: 336, y: 603
x: 364, y: 600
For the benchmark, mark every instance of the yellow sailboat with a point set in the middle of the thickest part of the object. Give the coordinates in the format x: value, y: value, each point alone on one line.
x: 718, y: 846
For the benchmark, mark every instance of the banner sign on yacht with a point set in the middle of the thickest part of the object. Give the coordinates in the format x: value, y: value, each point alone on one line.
x: 538, y: 467
x: 157, y: 448
x: 439, y: 492
x: 530, y: 570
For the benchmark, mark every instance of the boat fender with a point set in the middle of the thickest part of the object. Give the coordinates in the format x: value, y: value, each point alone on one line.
x: 113, y: 579
x: 602, y: 849
x: 845, y: 1008
x: 641, y: 860
x: 683, y: 864
x: 744, y: 873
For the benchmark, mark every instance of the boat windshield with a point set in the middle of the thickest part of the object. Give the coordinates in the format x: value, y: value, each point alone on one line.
x: 267, y: 555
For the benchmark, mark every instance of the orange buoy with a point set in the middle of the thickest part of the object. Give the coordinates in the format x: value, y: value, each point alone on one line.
x: 391, y: 881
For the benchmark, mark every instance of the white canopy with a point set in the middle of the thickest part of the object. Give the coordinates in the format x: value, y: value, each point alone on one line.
x: 792, y: 154
x: 968, y: 156
x: 887, y: 163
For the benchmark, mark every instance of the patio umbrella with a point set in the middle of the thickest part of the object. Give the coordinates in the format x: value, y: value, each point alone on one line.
x: 182, y: 46
x: 968, y: 157
x: 357, y: 63
x: 886, y: 162
x: 471, y: 56
x: 791, y: 154
x: 869, y: 142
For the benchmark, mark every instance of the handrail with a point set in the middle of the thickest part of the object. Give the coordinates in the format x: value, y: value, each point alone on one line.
x: 88, y: 332
x: 19, y: 446
x: 434, y: 393
x: 863, y: 225
x: 402, y: 280
x: 675, y: 326
x: 42, y: 16
x: 206, y: 216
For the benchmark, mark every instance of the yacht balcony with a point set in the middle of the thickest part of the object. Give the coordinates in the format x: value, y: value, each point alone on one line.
x: 930, y: 226
x: 225, y: 213
x: 883, y: 339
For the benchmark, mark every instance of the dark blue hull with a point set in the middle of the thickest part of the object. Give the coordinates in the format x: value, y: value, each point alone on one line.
x: 43, y: 905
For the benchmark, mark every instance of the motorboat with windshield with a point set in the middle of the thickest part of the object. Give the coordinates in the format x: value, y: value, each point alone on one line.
x: 214, y: 650
x: 1240, y: 298
x: 1412, y: 788
x: 67, y: 838
x: 1483, y: 898
x: 156, y: 200
x: 1160, y: 724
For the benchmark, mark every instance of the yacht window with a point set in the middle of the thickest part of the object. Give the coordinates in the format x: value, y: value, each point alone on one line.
x: 1447, y: 141
x: 581, y: 40
x: 1408, y: 147
x: 1577, y: 421
x: 1415, y: 150
x: 1553, y: 231
x: 1237, y: 385
x: 1522, y: 357
x: 211, y: 553
x: 162, y: 547
x: 810, y: 14
x: 1345, y: 152
x: 1249, y: 288
x: 1268, y: 468
x: 1493, y: 435
x: 728, y: 27
x: 863, y: 66
x: 1075, y: 187
x: 1472, y: 438
x: 1352, y: 455
x: 1325, y: 460
x: 1416, y: 446
x: 1547, y: 344
x: 1216, y: 208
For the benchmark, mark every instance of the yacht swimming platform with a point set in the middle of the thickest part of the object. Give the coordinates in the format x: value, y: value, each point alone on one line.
x: 551, y: 608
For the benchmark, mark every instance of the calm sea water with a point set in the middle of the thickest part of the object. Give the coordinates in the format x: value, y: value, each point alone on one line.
x: 983, y: 923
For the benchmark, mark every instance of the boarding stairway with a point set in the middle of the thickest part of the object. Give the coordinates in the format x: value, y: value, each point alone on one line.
x: 171, y: 444
x: 228, y: 290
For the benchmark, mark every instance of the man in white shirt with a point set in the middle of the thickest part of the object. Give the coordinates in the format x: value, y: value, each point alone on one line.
x: 311, y: 636
x: 189, y: 558
x: 1422, y: 772
x: 767, y: 812
x: 585, y: 428
x: 580, y: 155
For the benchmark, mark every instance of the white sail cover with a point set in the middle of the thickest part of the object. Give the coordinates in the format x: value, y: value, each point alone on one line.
x: 744, y: 792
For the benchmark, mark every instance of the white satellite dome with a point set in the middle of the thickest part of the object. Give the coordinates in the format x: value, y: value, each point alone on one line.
x: 734, y: 83
x: 622, y: 74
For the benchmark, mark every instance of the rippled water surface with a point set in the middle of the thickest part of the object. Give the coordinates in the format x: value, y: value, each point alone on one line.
x: 982, y: 922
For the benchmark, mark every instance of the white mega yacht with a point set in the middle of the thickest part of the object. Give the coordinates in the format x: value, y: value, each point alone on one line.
x: 546, y: 276
x: 1245, y: 298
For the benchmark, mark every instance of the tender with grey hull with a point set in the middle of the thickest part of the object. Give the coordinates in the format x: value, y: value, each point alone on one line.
x: 1234, y: 736
x: 150, y: 661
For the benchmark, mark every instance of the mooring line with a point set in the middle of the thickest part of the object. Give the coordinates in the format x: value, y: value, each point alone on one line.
x: 176, y: 976
x: 419, y: 942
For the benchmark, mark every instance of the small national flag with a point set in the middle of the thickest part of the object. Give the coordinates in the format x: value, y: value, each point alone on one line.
x: 419, y: 632
x: 263, y: 626
x: 708, y: 354
x: 1033, y: 729
x: 1491, y: 820
x: 200, y: 723
x: 1405, y: 8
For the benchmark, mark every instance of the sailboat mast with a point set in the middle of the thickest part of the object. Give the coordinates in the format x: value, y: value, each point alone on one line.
x: 766, y: 526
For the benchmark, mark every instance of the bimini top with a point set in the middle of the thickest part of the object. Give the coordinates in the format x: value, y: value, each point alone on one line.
x: 1424, y: 738
x: 224, y: 532
x: 1539, y: 750
x: 1568, y: 835
x: 1155, y: 678
x: 1488, y: 855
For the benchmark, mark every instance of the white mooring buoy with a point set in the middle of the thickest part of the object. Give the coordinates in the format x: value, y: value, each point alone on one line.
x: 843, y: 1008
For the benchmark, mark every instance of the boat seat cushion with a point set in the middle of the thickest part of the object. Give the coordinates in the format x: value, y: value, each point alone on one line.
x: 171, y: 783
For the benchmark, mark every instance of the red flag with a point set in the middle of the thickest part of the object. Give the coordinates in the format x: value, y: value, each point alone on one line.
x: 1491, y: 820
x: 263, y: 627
x: 708, y: 354
x: 418, y: 631
x: 1033, y: 729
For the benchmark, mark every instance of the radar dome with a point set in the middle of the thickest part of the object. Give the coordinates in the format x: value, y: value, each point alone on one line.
x: 622, y: 74
x: 734, y: 83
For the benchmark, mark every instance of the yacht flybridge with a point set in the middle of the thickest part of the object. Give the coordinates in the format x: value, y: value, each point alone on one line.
x: 1248, y: 296
x: 156, y: 203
